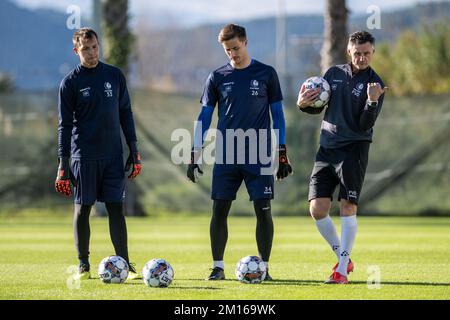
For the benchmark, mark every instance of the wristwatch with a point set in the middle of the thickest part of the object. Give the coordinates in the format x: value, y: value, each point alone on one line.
x: 372, y: 103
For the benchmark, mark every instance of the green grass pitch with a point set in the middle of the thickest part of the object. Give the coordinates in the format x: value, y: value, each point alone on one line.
x: 412, y: 256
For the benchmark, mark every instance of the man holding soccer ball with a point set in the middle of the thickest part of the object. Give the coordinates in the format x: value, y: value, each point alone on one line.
x: 247, y: 92
x: 94, y: 106
x: 357, y: 94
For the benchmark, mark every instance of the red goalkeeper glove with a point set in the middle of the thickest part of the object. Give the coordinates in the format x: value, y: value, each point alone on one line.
x: 64, y: 177
x: 133, y: 161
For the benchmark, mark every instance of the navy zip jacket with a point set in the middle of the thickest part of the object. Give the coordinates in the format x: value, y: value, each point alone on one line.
x: 93, y: 106
x: 348, y: 117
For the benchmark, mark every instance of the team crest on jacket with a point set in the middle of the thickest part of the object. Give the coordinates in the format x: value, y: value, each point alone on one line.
x: 108, y: 89
x: 357, y: 90
x: 254, y: 85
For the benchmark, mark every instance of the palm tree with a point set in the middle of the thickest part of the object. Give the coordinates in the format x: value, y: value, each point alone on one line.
x: 335, y: 34
x: 117, y: 35
x: 118, y: 47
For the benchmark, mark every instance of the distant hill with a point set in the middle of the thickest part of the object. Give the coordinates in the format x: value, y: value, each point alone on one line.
x: 36, y: 46
x: 36, y: 49
x: 181, y: 59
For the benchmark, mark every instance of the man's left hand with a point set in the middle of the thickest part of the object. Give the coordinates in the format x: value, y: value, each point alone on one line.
x: 133, y: 162
x: 374, y: 91
x: 284, y: 167
x: 194, y: 171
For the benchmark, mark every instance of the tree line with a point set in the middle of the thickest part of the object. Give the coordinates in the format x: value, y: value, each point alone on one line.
x: 418, y: 63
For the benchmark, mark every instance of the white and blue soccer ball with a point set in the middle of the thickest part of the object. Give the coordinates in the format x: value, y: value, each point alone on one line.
x: 157, y: 273
x: 325, y: 90
x: 113, y: 269
x: 251, y: 269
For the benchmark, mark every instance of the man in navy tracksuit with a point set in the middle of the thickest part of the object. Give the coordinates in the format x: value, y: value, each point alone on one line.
x: 93, y: 107
x: 246, y: 92
x: 357, y: 94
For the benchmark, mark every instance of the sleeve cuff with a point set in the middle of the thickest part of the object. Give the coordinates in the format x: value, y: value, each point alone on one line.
x: 133, y: 146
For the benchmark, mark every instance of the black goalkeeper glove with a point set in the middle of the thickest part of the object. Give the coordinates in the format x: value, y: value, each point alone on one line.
x: 133, y: 161
x: 194, y: 170
x: 64, y: 177
x: 284, y: 167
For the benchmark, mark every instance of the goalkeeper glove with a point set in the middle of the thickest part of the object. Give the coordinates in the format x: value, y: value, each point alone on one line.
x: 133, y: 161
x: 284, y: 167
x: 64, y: 177
x: 194, y: 170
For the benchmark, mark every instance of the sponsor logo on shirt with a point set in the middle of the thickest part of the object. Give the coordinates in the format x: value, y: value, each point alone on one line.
x: 108, y: 90
x: 85, y: 92
x: 228, y: 83
x: 227, y: 88
x: 334, y: 86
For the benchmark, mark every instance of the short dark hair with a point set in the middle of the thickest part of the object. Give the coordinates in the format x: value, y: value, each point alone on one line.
x: 360, y: 37
x: 83, y: 33
x: 231, y: 31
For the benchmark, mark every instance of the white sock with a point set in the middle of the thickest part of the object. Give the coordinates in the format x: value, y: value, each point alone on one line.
x: 219, y: 264
x: 267, y: 264
x: 328, y: 231
x: 348, y: 234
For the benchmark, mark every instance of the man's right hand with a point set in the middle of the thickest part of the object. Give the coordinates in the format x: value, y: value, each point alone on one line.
x: 194, y: 170
x: 64, y: 177
x: 307, y: 97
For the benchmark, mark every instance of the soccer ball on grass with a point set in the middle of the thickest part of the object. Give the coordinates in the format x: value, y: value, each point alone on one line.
x: 113, y: 269
x: 157, y: 273
x: 250, y: 269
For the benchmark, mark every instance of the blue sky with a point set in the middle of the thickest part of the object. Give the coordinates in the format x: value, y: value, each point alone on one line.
x: 184, y: 13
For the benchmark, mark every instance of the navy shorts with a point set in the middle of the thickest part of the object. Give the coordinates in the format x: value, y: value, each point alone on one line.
x: 228, y: 178
x: 345, y: 167
x: 101, y: 180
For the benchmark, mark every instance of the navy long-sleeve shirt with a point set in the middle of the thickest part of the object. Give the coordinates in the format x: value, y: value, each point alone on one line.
x: 93, y: 106
x: 348, y: 117
x: 245, y: 97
